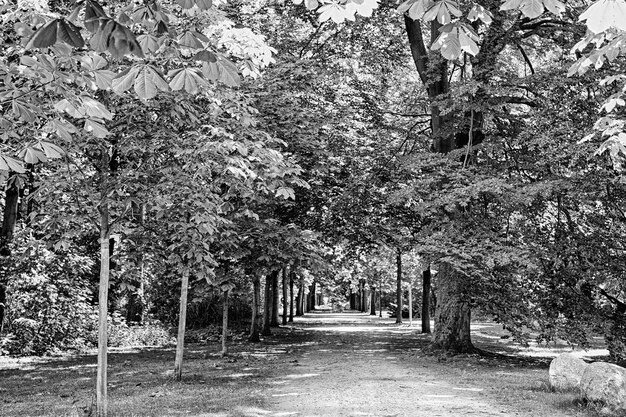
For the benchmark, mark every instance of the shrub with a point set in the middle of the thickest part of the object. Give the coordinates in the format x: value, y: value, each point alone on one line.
x: 48, y: 304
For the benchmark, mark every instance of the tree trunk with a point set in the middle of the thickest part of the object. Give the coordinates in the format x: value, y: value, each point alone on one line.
x: 373, y: 302
x: 452, y: 317
x: 285, y: 295
x: 182, y: 322
x: 267, y: 308
x: 292, y: 277
x: 399, y: 286
x: 275, y: 299
x: 300, y: 300
x: 9, y: 218
x: 256, y: 301
x: 380, y: 299
x: 363, y: 297
x: 426, y: 301
x: 225, y: 323
x: 103, y: 301
x: 352, y: 300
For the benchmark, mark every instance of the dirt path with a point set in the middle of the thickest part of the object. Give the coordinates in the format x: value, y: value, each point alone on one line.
x: 357, y: 365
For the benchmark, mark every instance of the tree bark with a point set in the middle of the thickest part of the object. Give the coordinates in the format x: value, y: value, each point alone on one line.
x: 182, y: 322
x: 399, y: 286
x: 102, y: 400
x: 363, y: 297
x: 410, y: 297
x: 9, y: 221
x: 452, y: 317
x: 285, y: 295
x: 292, y: 277
x: 256, y: 301
x: 352, y: 300
x: 373, y: 302
x: 9, y: 218
x: 267, y: 308
x: 276, y: 299
x: 300, y: 300
x: 426, y: 301
x: 225, y: 323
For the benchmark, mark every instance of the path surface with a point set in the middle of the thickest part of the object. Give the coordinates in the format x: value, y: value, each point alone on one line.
x: 357, y: 365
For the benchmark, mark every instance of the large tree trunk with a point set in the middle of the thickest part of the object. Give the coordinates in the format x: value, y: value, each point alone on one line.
x: 267, y: 308
x: 363, y: 297
x: 285, y: 295
x: 352, y: 300
x: 399, y: 286
x: 426, y: 301
x: 275, y: 299
x: 256, y: 301
x: 373, y: 302
x: 225, y: 323
x: 452, y: 317
x: 182, y: 323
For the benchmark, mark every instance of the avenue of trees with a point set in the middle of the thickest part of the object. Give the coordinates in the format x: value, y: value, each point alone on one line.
x: 189, y: 160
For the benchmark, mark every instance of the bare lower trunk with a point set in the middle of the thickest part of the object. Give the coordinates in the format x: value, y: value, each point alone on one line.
x: 399, y: 286
x: 256, y: 301
x: 452, y: 317
x: 9, y: 220
x: 267, y: 308
x: 285, y: 295
x: 275, y: 299
x: 426, y: 301
x: 410, y: 297
x: 373, y: 302
x: 292, y: 276
x: 224, y: 323
x: 300, y: 301
x: 102, y: 400
x: 182, y: 322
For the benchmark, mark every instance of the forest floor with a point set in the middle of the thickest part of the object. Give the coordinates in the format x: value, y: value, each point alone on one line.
x: 324, y: 364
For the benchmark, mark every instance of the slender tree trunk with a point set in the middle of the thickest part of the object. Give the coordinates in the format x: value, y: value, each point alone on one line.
x: 373, y: 302
x: 311, y: 298
x: 300, y: 301
x: 426, y: 301
x: 380, y: 300
x: 276, y: 299
x: 285, y: 295
x: 256, y: 301
x: 410, y: 296
x: 182, y: 322
x: 292, y: 277
x: 452, y: 317
x: 9, y: 220
x: 267, y: 310
x: 225, y: 323
x: 363, y: 297
x: 352, y: 300
x: 399, y: 286
x: 103, y: 295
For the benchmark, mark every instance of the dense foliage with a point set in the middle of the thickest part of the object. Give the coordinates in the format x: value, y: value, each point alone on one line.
x: 350, y: 144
